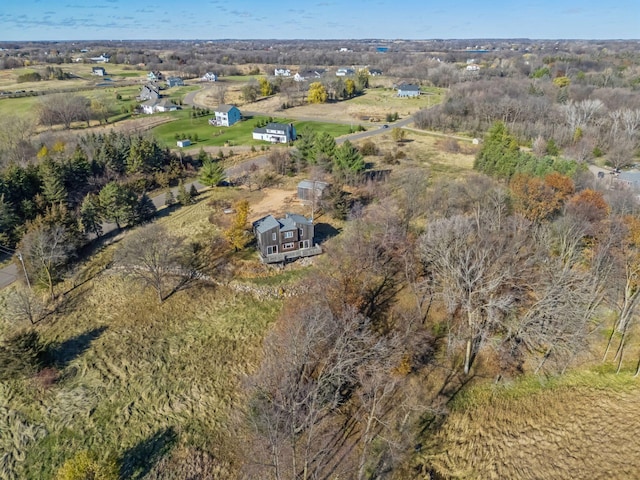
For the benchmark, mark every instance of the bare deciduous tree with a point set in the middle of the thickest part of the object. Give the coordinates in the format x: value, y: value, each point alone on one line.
x: 46, y: 249
x: 64, y: 109
x: 159, y: 260
x: 479, y: 274
x: 24, y: 304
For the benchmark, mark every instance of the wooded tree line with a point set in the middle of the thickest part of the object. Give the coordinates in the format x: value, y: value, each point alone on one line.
x: 49, y: 209
x: 473, y: 276
x: 584, y: 121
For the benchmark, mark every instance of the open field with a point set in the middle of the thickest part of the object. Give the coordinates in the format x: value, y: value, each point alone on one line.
x: 373, y: 105
x: 137, y: 378
x: 579, y: 426
x: 238, y: 134
x: 423, y: 150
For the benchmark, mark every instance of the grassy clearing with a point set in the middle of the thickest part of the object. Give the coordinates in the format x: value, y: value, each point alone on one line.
x: 27, y: 105
x: 238, y: 134
x: 241, y: 78
x: 131, y: 371
x: 581, y: 425
x: 425, y: 151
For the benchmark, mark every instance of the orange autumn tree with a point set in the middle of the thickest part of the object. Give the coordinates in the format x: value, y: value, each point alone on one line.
x: 538, y: 199
x: 588, y: 205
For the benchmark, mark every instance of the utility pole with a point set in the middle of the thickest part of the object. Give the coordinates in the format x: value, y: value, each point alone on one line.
x: 26, y: 276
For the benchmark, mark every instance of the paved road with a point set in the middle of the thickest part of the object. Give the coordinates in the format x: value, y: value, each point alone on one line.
x: 8, y: 275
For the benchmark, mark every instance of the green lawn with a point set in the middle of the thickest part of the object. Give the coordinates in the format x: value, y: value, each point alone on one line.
x: 238, y: 134
x: 27, y: 105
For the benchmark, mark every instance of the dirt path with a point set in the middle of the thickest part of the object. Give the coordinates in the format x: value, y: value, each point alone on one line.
x: 275, y: 202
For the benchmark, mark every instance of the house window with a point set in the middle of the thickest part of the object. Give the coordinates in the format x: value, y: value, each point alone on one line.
x: 301, y: 232
x: 274, y: 236
x: 287, y: 246
x: 288, y: 234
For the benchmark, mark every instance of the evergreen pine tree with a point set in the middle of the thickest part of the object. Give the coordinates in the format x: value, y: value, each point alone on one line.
x: 212, y: 173
x: 144, y: 210
x: 90, y: 216
x: 169, y: 198
x: 183, y: 197
x: 53, y: 188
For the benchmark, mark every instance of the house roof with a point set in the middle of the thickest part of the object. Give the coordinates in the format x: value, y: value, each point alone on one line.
x: 408, y: 87
x: 265, y: 224
x: 300, y: 219
x: 288, y: 223
x: 280, y: 127
x: 165, y: 102
x: 224, y: 108
x: 318, y: 185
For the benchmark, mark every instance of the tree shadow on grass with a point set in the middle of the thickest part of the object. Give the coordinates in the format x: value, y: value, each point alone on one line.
x: 60, y: 355
x: 139, y: 460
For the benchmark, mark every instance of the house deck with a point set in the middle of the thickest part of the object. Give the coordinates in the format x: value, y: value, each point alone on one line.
x: 292, y: 255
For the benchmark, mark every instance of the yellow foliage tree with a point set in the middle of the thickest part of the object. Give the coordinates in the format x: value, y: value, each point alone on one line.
x: 237, y: 234
x: 317, y: 93
x: 350, y: 87
x: 85, y: 466
x: 266, y: 88
x: 43, y: 152
x: 562, y: 82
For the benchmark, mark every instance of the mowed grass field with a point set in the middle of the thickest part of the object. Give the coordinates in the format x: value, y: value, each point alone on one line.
x: 238, y: 134
x: 583, y: 425
x: 136, y: 378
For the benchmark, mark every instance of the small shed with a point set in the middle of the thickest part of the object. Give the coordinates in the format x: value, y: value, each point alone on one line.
x: 184, y: 143
x: 306, y: 189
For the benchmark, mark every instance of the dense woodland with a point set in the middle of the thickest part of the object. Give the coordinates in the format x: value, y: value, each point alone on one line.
x: 527, y: 266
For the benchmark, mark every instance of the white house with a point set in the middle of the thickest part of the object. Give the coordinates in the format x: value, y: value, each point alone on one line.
x: 275, y: 133
x: 155, y: 75
x: 104, y: 58
x: 225, y: 116
x: 302, y: 76
x: 345, y: 72
x: 408, y: 90
x: 282, y: 72
x: 99, y: 71
x: 156, y: 105
x: 209, y: 77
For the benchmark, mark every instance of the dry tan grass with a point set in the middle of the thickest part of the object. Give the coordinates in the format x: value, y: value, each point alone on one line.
x: 145, y: 367
x: 567, y: 432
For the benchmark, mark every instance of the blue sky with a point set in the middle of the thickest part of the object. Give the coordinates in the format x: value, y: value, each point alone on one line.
x: 317, y: 19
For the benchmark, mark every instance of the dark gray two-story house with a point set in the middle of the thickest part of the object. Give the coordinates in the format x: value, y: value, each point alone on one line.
x: 285, y: 238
